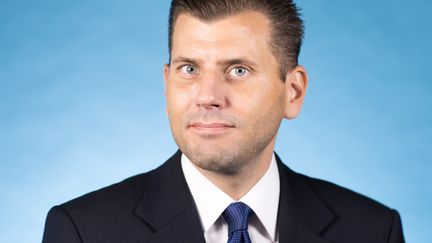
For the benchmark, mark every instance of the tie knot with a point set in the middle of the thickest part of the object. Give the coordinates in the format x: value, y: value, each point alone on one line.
x: 237, y: 216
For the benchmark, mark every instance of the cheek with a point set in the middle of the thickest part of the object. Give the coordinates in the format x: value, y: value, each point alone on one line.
x: 177, y: 98
x: 264, y: 113
x: 179, y: 101
x: 259, y: 100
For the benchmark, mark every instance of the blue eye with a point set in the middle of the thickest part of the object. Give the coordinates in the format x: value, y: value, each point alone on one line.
x: 239, y: 71
x: 189, y: 69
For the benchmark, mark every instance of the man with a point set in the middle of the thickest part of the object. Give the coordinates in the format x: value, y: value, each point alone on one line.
x: 231, y: 79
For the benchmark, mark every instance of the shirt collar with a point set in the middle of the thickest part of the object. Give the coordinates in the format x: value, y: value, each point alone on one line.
x: 263, y: 198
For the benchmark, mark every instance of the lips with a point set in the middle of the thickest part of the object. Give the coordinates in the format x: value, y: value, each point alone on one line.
x: 210, y: 127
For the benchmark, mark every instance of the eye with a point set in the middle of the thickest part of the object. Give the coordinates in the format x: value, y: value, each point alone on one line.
x: 189, y: 69
x: 238, y: 71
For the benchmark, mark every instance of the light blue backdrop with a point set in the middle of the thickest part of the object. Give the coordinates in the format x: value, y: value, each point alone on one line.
x: 82, y: 106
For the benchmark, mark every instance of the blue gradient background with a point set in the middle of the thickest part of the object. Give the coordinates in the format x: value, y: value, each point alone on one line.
x: 82, y: 106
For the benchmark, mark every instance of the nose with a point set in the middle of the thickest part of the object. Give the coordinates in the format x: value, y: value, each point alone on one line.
x: 211, y: 93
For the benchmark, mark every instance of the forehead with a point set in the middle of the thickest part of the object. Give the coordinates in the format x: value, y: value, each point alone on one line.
x: 244, y: 33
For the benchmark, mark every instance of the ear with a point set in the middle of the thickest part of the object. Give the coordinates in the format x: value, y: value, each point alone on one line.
x: 295, y: 84
x: 166, y: 73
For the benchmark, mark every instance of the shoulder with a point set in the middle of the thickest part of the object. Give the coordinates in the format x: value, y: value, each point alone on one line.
x: 346, y: 215
x: 341, y: 199
x: 122, y: 193
x: 354, y: 212
x: 96, y: 216
x: 110, y: 214
x: 125, y: 194
x: 100, y: 212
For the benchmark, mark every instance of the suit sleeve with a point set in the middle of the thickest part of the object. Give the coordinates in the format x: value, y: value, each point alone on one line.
x: 59, y: 228
x: 396, y: 233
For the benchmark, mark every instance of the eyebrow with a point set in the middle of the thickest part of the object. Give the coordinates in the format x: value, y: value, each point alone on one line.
x: 226, y: 62
x: 237, y: 61
x: 185, y: 60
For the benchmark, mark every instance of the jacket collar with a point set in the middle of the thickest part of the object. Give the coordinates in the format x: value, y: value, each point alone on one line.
x: 167, y: 206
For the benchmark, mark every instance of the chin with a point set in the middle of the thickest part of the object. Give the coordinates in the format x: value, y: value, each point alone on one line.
x: 219, y: 167
x: 221, y: 161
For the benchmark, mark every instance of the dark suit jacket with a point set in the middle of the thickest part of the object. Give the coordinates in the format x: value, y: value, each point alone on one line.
x: 158, y: 207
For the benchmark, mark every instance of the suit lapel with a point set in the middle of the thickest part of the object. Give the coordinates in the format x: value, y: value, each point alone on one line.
x: 168, y: 207
x: 302, y: 217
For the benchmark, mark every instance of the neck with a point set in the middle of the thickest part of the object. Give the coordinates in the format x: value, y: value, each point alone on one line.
x: 238, y: 184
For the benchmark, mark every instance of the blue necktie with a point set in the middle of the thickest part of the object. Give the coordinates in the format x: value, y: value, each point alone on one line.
x: 237, y: 215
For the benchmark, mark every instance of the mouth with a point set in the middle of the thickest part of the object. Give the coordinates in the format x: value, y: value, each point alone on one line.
x: 210, y: 128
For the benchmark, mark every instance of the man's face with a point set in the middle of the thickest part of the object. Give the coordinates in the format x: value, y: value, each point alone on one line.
x: 225, y: 99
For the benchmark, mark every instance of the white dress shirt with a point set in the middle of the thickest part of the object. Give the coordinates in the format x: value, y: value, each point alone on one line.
x: 262, y: 198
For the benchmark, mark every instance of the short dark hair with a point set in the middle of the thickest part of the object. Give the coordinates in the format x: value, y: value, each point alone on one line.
x: 287, y: 27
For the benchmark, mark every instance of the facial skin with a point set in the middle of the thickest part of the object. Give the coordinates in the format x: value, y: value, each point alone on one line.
x: 225, y: 99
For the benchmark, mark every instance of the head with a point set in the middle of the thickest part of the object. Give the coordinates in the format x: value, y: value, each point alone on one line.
x: 232, y: 77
